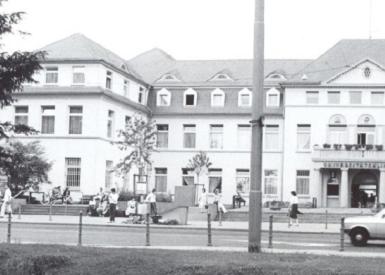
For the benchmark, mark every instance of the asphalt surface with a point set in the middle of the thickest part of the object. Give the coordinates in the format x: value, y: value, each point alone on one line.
x: 129, y: 236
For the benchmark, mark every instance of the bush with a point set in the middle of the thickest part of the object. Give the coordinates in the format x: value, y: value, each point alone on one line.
x: 127, y: 196
x: 348, y: 147
x: 326, y: 146
x: 163, y: 197
x: 369, y: 147
x: 379, y: 147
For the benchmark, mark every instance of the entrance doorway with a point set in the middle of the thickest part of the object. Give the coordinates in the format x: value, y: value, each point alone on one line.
x: 364, y: 189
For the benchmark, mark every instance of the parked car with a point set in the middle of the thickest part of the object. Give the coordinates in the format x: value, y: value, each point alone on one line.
x: 363, y: 228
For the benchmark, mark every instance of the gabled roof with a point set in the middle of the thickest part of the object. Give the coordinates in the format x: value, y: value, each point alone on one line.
x: 155, y: 63
x: 341, y: 57
x: 81, y: 48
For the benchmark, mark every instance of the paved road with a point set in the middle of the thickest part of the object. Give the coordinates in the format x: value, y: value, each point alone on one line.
x: 129, y: 236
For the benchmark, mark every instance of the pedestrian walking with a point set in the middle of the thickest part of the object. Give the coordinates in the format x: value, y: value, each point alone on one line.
x: 7, y: 201
x: 218, y: 201
x: 203, y: 201
x: 293, y: 209
x: 113, y: 200
x: 151, y: 198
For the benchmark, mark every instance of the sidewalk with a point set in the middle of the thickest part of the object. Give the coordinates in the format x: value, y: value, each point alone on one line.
x: 202, y: 225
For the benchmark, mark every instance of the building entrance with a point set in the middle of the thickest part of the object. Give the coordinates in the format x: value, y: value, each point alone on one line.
x: 364, y: 189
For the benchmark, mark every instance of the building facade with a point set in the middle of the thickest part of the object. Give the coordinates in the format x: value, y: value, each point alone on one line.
x: 323, y: 132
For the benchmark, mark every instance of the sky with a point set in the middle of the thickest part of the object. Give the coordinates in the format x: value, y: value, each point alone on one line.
x: 198, y: 29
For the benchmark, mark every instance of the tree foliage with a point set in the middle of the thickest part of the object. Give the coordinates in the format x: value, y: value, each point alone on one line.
x: 139, y: 139
x: 24, y: 164
x: 15, y: 69
x: 199, y: 163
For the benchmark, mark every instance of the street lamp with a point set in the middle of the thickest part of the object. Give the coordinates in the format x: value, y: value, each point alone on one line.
x: 255, y: 198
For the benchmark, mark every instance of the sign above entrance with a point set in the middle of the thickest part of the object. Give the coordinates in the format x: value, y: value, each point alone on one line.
x: 353, y: 165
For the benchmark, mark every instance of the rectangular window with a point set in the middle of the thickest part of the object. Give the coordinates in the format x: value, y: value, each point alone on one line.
x: 244, y: 137
x: 110, y: 123
x: 108, y: 80
x: 127, y: 120
x: 51, y: 75
x: 161, y: 180
x: 273, y: 100
x: 334, y: 97
x: 338, y: 134
x: 21, y: 115
x: 72, y: 172
x: 47, y: 119
x: 215, y: 180
x: 312, y: 97
x: 217, y: 100
x: 189, y: 136
x: 302, y: 182
x: 190, y: 100
x: 355, y: 97
x: 270, y: 182
x: 187, y: 176
x: 75, y: 120
x: 162, y: 136
x: 245, y: 100
x: 141, y: 95
x: 333, y: 188
x: 109, y: 174
x: 216, y: 136
x: 242, y: 180
x: 271, y: 140
x: 377, y: 98
x: 303, y: 137
x: 126, y: 88
x: 78, y: 76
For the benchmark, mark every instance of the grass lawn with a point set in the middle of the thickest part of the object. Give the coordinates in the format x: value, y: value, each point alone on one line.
x: 55, y: 259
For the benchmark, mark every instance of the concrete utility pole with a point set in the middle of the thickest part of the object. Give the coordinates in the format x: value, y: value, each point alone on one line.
x: 255, y: 199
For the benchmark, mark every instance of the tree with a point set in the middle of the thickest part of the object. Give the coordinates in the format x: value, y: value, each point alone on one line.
x: 15, y: 69
x: 199, y: 163
x: 24, y: 164
x: 139, y: 138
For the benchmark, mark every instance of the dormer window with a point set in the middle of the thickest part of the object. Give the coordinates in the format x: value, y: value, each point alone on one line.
x: 276, y: 76
x: 221, y: 77
x: 217, y: 98
x: 190, y: 98
x: 244, y: 98
x: 168, y: 77
x: 163, y: 98
x: 272, y: 98
x: 51, y: 75
x: 108, y: 80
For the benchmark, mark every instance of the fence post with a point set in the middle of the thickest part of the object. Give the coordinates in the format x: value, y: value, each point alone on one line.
x: 9, y: 228
x: 19, y: 214
x: 80, y: 228
x: 209, y: 242
x: 271, y: 231
x: 148, y: 229
x: 342, y: 232
x: 66, y: 206
x: 220, y: 218
x: 326, y: 219
x: 50, y: 211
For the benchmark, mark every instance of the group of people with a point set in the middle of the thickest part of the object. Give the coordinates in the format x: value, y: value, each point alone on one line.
x: 203, y: 201
x: 57, y: 196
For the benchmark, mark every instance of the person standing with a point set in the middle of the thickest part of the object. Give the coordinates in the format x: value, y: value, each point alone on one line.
x: 7, y: 200
x: 218, y: 201
x: 203, y: 201
x: 113, y: 200
x: 151, y: 198
x: 293, y: 209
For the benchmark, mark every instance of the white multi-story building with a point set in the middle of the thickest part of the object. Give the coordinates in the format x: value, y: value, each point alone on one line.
x: 323, y: 131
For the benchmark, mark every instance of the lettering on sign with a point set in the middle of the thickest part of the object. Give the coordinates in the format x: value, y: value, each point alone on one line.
x: 354, y: 165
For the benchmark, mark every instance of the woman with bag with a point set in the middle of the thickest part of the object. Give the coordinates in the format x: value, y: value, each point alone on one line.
x: 293, y: 209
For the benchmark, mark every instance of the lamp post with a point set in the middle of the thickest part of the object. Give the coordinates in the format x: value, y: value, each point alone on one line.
x: 255, y: 198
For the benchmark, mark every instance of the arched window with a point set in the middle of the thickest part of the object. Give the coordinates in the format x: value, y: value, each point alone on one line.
x: 190, y: 97
x: 221, y: 77
x: 168, y: 78
x: 337, y: 130
x: 244, y: 98
x: 366, y: 130
x: 275, y: 77
x: 273, y: 98
x: 163, y: 98
x: 217, y: 98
